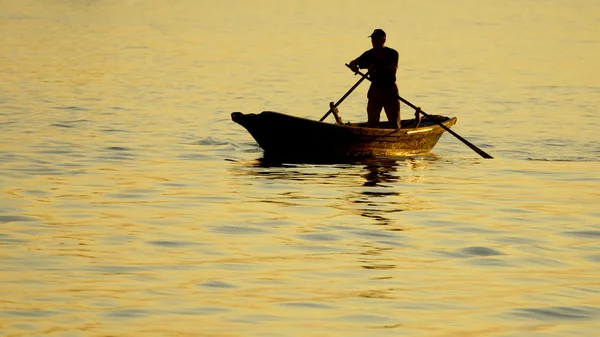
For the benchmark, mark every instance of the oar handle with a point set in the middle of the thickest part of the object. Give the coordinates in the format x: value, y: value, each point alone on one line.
x: 331, y: 108
x: 466, y: 142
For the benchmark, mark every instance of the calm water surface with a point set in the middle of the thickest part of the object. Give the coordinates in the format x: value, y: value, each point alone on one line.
x: 131, y: 205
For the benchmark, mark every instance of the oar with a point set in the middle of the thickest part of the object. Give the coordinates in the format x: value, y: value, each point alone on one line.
x: 466, y: 142
x: 332, y: 107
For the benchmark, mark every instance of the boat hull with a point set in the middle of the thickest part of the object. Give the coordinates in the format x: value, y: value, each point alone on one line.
x: 288, y: 136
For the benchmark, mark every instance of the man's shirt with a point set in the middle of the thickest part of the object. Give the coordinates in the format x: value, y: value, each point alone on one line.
x: 385, y: 64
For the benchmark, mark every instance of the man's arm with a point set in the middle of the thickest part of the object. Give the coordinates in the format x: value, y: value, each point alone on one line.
x: 361, y: 62
x: 353, y: 65
x: 393, y: 65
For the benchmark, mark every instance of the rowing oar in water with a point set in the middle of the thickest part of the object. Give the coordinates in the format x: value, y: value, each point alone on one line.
x: 333, y: 106
x: 417, y: 109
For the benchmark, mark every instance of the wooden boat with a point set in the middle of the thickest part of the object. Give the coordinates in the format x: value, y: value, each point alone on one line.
x: 287, y: 136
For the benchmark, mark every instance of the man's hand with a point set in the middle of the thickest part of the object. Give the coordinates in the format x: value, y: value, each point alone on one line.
x: 353, y: 66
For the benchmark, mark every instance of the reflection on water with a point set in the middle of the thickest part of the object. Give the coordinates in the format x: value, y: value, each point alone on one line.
x: 383, y: 197
x: 380, y: 172
x: 374, y: 188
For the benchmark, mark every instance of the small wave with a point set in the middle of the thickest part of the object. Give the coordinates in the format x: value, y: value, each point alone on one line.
x: 171, y: 244
x: 33, y: 313
x: 7, y: 239
x: 69, y: 124
x: 14, y: 218
x: 124, y: 196
x: 489, y: 262
x: 559, y: 313
x: 237, y: 230
x: 319, y: 237
x: 217, y: 284
x: 577, y: 159
x: 128, y: 313
x: 194, y: 157
x: 60, y: 125
x: 585, y: 234
x: 594, y: 258
x: 480, y: 251
x: 211, y: 142
x: 308, y: 305
x: 113, y: 130
x: 117, y: 148
x: 71, y: 108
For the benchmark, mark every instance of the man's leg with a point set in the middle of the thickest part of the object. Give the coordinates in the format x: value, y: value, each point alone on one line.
x: 374, y: 107
x: 391, y: 104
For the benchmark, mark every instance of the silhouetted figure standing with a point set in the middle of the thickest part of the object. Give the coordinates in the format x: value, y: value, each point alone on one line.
x: 382, y: 63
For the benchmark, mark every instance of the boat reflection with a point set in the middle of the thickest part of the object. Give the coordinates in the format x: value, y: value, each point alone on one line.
x: 375, y: 171
x: 379, y: 179
x: 379, y: 173
x: 374, y: 188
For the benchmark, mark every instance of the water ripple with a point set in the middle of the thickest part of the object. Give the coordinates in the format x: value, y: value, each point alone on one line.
x: 591, y: 234
x: 13, y: 218
x: 560, y: 313
x: 173, y: 244
x: 217, y: 284
x: 308, y: 305
x: 33, y: 313
x: 211, y: 141
x: 480, y: 251
x: 129, y: 313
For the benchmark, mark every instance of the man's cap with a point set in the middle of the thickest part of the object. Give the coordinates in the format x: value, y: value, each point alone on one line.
x: 378, y: 33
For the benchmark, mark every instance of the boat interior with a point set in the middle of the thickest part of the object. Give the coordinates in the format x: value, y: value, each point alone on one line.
x: 405, y: 123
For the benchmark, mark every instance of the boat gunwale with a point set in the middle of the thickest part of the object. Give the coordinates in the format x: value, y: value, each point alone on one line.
x: 382, y: 131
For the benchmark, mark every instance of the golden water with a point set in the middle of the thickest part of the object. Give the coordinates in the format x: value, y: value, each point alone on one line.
x: 131, y: 205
